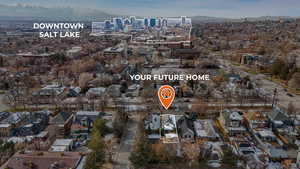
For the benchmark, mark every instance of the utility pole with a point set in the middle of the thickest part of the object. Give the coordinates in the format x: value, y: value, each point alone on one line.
x: 274, y: 97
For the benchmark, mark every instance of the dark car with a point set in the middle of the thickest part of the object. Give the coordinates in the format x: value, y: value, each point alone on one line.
x: 289, y: 94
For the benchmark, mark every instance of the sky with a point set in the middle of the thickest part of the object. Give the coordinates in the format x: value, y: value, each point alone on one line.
x: 216, y: 8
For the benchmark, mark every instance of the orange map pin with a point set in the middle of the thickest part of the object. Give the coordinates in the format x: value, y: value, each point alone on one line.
x: 166, y: 95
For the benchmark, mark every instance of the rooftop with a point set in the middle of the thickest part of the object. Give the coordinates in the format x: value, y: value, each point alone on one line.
x: 62, y: 142
x: 88, y: 113
x: 114, y: 49
x: 42, y: 160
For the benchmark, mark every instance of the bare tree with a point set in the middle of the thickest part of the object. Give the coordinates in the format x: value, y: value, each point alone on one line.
x: 191, y: 152
x: 200, y: 107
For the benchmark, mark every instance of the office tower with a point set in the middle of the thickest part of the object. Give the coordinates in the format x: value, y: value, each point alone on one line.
x: 118, y: 24
x: 159, y: 22
x: 183, y: 18
x: 107, y: 24
x: 164, y: 22
x: 152, y: 22
x: 146, y: 22
x: 132, y: 20
x: 126, y: 21
x: 139, y: 23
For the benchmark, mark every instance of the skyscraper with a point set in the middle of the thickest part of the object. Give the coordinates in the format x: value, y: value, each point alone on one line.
x: 183, y: 18
x: 118, y: 24
x: 107, y: 24
x: 164, y: 22
x: 126, y: 21
x: 152, y: 22
x: 132, y: 20
x: 146, y: 22
x: 159, y: 22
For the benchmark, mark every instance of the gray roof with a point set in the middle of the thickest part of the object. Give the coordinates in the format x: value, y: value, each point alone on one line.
x: 278, y: 115
x: 61, y: 118
x: 185, y: 126
x: 153, y: 121
x: 278, y: 153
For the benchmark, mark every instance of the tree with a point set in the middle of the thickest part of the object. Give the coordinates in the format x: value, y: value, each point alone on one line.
x: 84, y: 78
x: 91, y: 161
x: 229, y: 157
x: 295, y: 80
x: 291, y: 109
x: 277, y: 66
x: 142, y: 154
x: 96, y: 158
x: 99, y: 125
x: 96, y: 143
x: 200, y: 107
x: 191, y: 152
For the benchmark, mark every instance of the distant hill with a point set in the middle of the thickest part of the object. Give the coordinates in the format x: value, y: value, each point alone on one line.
x: 210, y: 19
x: 29, y: 12
x: 219, y: 19
x: 26, y: 12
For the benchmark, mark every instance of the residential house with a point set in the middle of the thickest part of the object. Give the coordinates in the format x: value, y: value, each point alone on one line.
x: 73, y: 91
x: 152, y: 126
x: 114, y: 90
x: 5, y: 130
x: 13, y: 121
x: 279, y: 118
x: 204, y: 130
x: 74, y: 52
x: 186, y: 128
x: 34, y: 124
x: 64, y: 121
x: 48, y: 94
x: 266, y: 135
x: 62, y: 145
x: 114, y: 55
x: 277, y: 154
x: 95, y: 92
x: 232, y: 122
x: 133, y: 90
x: 249, y: 59
x: 83, y: 122
x: 3, y: 115
x: 86, y: 117
x: 255, y: 119
x: 169, y: 128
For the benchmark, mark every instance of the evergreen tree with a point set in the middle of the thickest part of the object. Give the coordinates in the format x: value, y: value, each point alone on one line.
x: 142, y: 155
x: 91, y: 161
x: 99, y: 125
x: 96, y: 158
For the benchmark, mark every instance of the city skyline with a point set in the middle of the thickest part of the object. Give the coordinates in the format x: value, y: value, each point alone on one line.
x: 215, y: 8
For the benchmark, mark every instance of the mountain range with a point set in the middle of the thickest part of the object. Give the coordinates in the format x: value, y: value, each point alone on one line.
x: 28, y: 12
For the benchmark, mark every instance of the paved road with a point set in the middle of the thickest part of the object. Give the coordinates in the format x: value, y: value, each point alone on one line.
x: 127, y: 143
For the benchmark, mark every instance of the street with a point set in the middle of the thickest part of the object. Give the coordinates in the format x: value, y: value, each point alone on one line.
x: 127, y: 142
x: 267, y: 85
